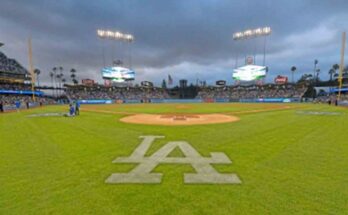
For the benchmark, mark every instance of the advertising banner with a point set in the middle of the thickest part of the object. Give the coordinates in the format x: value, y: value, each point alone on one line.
x: 96, y: 101
x: 281, y: 79
x: 87, y: 82
x: 146, y: 84
x: 22, y: 92
x: 221, y: 83
x: 222, y: 100
x: 270, y: 100
x: 130, y: 101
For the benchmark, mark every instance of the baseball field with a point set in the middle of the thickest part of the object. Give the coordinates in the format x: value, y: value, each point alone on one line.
x: 288, y: 158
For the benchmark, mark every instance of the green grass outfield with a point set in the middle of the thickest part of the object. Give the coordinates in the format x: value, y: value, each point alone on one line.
x: 289, y: 163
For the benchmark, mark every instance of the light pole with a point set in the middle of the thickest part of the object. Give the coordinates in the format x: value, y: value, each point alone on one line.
x: 253, y: 33
x: 54, y: 69
x: 293, y: 69
x: 340, y: 77
x: 315, y: 70
x: 118, y: 36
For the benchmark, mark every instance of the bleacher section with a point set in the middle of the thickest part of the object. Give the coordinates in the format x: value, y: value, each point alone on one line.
x: 11, y: 70
x: 237, y: 93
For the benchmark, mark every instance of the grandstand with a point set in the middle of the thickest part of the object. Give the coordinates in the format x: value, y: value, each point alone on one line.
x: 205, y: 94
x: 14, y: 86
x: 173, y: 107
x: 237, y: 93
x: 12, y: 71
x: 81, y: 92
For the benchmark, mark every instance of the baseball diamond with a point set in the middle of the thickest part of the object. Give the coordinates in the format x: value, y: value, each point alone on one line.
x: 97, y: 161
x: 173, y: 107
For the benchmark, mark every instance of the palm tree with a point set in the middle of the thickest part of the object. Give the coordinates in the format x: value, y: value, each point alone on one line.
x: 37, y: 72
x: 58, y: 77
x: 332, y: 72
x: 61, y: 69
x: 117, y: 62
x: 345, y: 75
x: 73, y: 75
x: 73, y: 70
x: 54, y: 69
x: 61, y: 77
x: 51, y: 75
x: 317, y: 74
x: 306, y: 78
x: 315, y: 69
x: 293, y: 69
x: 63, y: 81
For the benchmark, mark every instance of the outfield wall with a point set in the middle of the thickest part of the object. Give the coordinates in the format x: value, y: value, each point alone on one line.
x: 217, y: 100
x: 343, y: 103
x: 96, y: 101
x: 21, y: 92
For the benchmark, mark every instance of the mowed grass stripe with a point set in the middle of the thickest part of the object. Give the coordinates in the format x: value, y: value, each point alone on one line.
x: 289, y: 163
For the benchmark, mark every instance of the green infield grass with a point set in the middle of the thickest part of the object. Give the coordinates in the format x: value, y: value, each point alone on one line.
x: 291, y: 159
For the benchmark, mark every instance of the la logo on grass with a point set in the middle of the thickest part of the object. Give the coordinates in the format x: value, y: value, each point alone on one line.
x: 205, y: 173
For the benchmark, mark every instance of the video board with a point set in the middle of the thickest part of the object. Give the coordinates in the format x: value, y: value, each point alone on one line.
x: 249, y: 73
x: 118, y: 74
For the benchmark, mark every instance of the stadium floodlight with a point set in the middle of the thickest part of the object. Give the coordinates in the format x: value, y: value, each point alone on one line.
x: 114, y: 35
x: 128, y: 37
x: 251, y: 33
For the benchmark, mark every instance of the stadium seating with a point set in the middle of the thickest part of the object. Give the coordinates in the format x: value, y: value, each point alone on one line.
x: 116, y: 93
x: 252, y: 92
x: 8, y: 100
x: 10, y: 68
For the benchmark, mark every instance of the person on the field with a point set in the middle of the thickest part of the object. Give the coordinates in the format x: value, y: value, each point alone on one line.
x: 77, y: 108
x: 1, y: 107
x: 17, y: 104
x: 71, y: 110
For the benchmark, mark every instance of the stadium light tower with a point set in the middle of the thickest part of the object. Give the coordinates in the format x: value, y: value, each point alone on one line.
x: 118, y: 36
x: 114, y: 35
x: 253, y: 33
x: 340, y: 77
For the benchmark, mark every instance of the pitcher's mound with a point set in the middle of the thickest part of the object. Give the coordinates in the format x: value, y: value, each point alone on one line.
x: 178, y: 119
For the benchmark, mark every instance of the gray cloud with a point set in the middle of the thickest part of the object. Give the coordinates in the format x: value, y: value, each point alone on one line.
x: 173, y: 36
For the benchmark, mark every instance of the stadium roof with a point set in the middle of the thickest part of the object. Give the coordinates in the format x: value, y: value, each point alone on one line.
x: 10, y: 65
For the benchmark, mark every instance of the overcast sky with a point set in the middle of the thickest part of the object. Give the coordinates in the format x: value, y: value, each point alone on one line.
x: 184, y: 38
